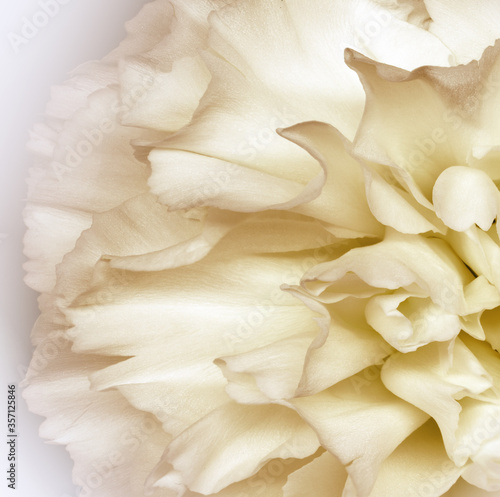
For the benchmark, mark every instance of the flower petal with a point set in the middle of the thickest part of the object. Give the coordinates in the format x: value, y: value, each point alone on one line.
x: 419, y: 466
x: 342, y: 201
x: 433, y: 378
x: 116, y: 464
x: 464, y: 196
x: 233, y: 442
x: 451, y: 17
x: 323, y: 477
x: 399, y: 261
x: 361, y: 428
x: 408, y: 322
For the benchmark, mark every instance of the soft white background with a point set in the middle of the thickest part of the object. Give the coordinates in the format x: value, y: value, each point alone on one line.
x: 81, y: 30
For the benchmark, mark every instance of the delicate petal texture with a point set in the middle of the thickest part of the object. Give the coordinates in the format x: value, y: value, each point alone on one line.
x: 118, y: 463
x: 265, y: 235
x: 234, y: 441
x: 407, y: 262
x: 419, y: 466
x: 408, y: 322
x: 463, y: 196
x: 360, y: 429
x: 450, y: 374
x: 449, y: 17
x: 323, y: 477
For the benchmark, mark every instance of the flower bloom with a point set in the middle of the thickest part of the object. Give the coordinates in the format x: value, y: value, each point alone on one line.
x: 265, y: 237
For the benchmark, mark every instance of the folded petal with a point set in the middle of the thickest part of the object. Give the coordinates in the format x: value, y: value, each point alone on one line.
x: 419, y: 466
x: 323, y: 477
x: 115, y: 464
x: 447, y: 18
x: 408, y: 322
x: 465, y: 196
x: 410, y: 262
x: 360, y: 428
x: 434, y: 378
x: 234, y: 442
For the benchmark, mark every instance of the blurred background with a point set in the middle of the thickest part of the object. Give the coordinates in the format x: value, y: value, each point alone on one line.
x: 66, y: 33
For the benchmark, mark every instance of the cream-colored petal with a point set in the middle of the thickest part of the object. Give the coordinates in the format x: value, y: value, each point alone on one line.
x: 318, y: 84
x: 478, y: 438
x: 342, y: 201
x: 464, y: 489
x: 361, y: 428
x: 480, y: 295
x: 165, y: 81
x: 347, y: 347
x: 464, y: 196
x: 394, y: 207
x: 421, y: 123
x: 115, y: 464
x: 408, y: 322
x: 233, y: 442
x: 433, y: 378
x: 187, y: 318
x: 179, y: 399
x: 51, y: 234
x: 419, y: 466
x: 282, y: 231
x: 83, y: 149
x: 73, y: 181
x: 184, y: 180
x: 485, y: 470
x: 269, y: 480
x: 399, y: 261
x: 215, y: 225
x: 235, y: 125
x: 479, y: 251
x: 162, y: 101
x: 305, y: 363
x: 478, y: 25
x: 323, y: 477
x: 405, y: 123
x: 139, y: 226
x: 276, y: 369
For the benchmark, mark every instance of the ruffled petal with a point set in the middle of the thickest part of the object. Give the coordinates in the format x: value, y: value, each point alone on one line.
x: 447, y: 18
x: 463, y: 196
x: 360, y: 428
x: 419, y: 123
x: 115, y: 464
x: 409, y: 262
x: 233, y: 442
x: 434, y: 378
x: 419, y: 466
x: 408, y: 322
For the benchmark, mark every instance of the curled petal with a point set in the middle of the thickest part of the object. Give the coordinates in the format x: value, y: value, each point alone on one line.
x: 464, y: 196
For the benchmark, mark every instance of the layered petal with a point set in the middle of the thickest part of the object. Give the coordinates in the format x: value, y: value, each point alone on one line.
x: 449, y: 372
x: 234, y: 442
x: 360, y: 428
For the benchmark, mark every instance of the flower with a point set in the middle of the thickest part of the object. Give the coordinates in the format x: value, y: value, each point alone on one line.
x: 256, y: 281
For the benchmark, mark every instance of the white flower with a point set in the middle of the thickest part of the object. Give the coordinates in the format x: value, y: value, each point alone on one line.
x: 256, y: 281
